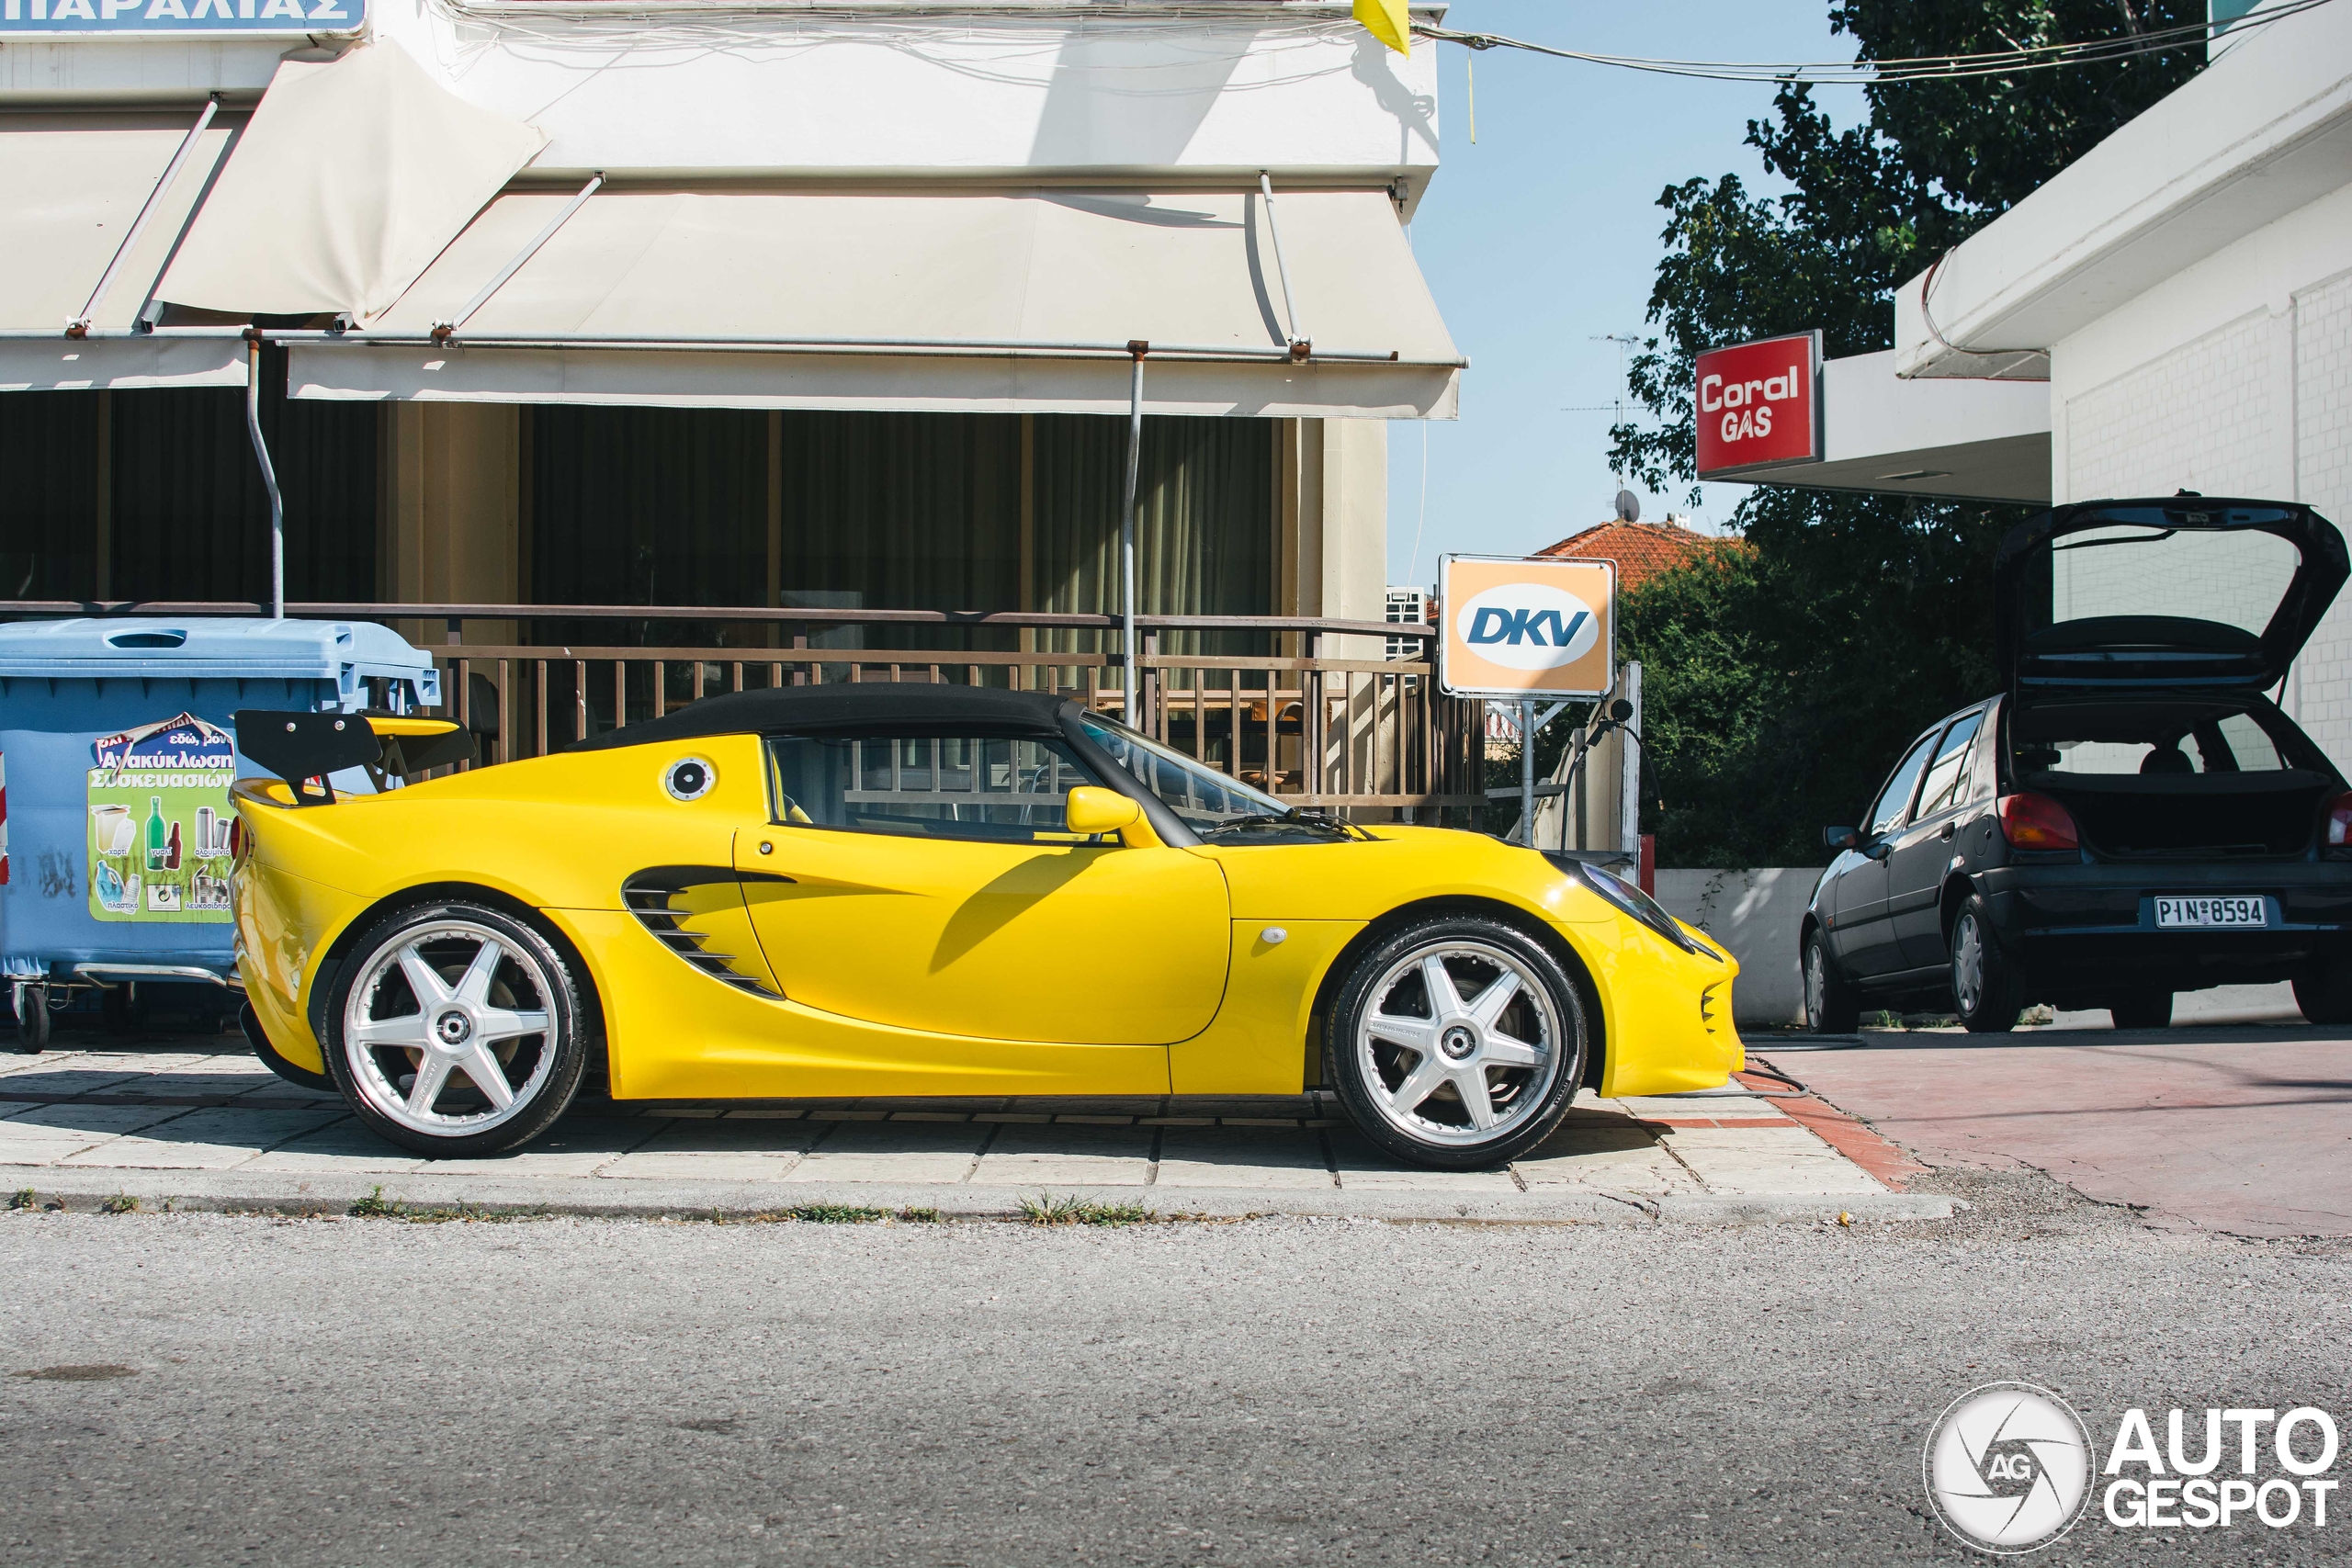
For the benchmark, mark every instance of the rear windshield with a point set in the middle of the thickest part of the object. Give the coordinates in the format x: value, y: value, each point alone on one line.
x: 2140, y: 567
x: 2113, y: 738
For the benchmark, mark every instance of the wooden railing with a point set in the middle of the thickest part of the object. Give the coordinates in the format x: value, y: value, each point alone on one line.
x: 1343, y: 729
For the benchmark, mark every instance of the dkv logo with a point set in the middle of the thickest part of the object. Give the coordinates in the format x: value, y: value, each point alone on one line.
x: 1526, y: 626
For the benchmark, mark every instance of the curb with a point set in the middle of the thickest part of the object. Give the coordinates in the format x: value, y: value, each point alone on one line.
x: 611, y: 1199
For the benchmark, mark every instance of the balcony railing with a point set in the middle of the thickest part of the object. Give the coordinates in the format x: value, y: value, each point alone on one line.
x: 1318, y: 718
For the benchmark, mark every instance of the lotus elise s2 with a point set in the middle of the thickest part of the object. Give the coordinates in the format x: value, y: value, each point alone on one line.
x: 927, y: 890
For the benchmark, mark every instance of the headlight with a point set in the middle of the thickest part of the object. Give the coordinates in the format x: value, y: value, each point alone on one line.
x: 1630, y: 898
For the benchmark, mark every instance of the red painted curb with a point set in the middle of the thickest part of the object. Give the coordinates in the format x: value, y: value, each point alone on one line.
x: 1885, y: 1161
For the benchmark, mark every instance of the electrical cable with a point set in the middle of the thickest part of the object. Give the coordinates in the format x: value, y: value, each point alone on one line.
x: 1917, y: 68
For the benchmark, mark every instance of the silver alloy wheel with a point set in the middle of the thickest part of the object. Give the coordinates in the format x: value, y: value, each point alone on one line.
x: 1459, y: 1071
x: 1967, y: 963
x: 445, y: 1001
x: 1816, y: 984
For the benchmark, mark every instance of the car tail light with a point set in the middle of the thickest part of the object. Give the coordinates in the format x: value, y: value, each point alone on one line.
x: 2335, y: 830
x: 2037, y: 822
x: 237, y: 843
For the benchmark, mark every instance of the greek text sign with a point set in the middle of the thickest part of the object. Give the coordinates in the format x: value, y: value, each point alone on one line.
x: 1527, y: 628
x: 181, y: 19
x: 1759, y: 403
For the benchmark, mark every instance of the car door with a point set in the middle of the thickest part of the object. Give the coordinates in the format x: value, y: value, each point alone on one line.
x: 928, y: 882
x: 1861, y: 935
x: 1920, y: 852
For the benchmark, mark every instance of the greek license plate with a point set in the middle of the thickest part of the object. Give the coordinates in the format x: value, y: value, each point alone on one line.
x: 2226, y: 910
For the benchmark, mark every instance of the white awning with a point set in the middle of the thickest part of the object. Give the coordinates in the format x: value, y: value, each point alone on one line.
x: 72, y: 189
x: 353, y: 175
x: 1002, y: 300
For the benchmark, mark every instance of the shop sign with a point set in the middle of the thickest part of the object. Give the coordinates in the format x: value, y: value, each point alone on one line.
x: 179, y: 18
x: 1759, y: 404
x: 159, y: 822
x: 1522, y: 629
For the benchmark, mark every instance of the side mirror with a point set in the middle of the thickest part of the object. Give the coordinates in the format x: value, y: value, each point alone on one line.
x: 1842, y: 838
x: 1093, y: 809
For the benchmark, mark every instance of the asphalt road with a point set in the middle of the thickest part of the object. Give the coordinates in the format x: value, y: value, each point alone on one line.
x: 373, y: 1391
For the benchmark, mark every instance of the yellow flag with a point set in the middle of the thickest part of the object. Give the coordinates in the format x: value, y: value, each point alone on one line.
x: 1386, y: 21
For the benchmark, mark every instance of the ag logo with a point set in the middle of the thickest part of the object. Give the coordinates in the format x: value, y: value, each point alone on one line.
x: 2009, y: 1467
x: 1527, y: 626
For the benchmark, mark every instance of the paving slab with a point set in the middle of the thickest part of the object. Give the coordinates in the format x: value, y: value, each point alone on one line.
x: 892, y: 1151
x: 698, y: 1149
x: 1278, y: 1159
x: 1363, y: 1168
x: 205, y: 1140
x: 43, y: 1134
x: 1063, y: 1154
x: 1757, y: 1161
x: 341, y: 1145
x: 574, y: 1146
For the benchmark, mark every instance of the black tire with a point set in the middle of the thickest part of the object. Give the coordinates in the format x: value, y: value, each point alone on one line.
x: 1830, y: 1005
x: 529, y: 978
x: 2142, y: 1009
x: 32, y: 1019
x: 2325, y: 993
x: 1986, y: 994
x: 1370, y: 1071
x: 301, y: 1077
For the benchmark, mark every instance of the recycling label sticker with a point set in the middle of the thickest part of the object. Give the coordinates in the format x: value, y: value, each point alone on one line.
x: 159, y: 822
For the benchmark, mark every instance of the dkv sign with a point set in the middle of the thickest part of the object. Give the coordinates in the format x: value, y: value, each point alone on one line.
x: 1759, y: 405
x: 1526, y: 628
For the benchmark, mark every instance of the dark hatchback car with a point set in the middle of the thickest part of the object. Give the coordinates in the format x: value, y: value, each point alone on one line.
x: 2132, y: 817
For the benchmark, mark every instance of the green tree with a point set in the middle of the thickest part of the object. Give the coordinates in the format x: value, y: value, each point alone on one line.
x: 1782, y: 680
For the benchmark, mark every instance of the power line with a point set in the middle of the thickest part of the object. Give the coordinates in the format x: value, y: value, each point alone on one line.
x: 1919, y: 68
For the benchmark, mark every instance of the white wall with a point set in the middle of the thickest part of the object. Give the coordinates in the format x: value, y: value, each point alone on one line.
x: 1756, y: 913
x: 2233, y: 376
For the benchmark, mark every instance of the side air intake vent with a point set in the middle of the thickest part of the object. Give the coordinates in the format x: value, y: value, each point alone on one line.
x: 650, y: 896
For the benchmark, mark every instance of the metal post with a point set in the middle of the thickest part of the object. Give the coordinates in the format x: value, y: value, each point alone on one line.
x: 1127, y: 536
x: 268, y: 480
x: 1301, y: 345
x: 1629, y: 788
x: 1527, y: 773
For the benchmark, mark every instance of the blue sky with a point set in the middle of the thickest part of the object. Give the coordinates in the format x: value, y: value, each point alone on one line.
x: 1543, y: 237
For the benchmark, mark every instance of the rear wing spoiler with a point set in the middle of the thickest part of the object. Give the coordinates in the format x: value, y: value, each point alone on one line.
x: 307, y: 749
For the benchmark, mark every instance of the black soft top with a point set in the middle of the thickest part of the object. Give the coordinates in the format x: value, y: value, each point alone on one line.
x: 843, y: 707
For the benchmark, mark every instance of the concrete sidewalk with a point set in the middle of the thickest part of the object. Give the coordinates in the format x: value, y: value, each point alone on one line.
x: 201, y: 1122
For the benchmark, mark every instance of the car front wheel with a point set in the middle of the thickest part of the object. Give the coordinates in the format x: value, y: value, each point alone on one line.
x: 454, y: 1029
x: 1830, y: 1005
x: 1984, y: 988
x: 1456, y: 1042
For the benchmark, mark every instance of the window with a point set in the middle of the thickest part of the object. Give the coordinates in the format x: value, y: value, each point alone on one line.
x: 1888, y: 810
x: 1012, y: 790
x: 2112, y: 738
x: 1198, y: 794
x: 1947, y: 782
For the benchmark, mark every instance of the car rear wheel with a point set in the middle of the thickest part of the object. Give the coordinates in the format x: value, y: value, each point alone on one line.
x: 1830, y: 1005
x: 454, y: 1029
x: 1456, y: 1042
x: 2142, y: 1009
x: 1984, y: 988
x: 2325, y: 994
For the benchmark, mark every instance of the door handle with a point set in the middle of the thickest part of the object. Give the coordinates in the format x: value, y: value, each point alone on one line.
x: 1950, y: 828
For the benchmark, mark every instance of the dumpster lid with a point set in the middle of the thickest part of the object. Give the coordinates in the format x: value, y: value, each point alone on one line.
x: 195, y: 648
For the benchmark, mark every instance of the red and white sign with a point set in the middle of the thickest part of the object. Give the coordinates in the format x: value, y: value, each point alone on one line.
x: 1759, y: 404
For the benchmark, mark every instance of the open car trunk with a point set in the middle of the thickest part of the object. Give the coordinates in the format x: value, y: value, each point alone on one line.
x: 2183, y: 595
x: 2154, y: 776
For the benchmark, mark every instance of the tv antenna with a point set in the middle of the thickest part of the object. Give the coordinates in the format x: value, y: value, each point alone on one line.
x: 1624, y: 342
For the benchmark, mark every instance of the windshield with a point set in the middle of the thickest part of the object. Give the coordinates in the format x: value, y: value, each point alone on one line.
x: 1205, y: 799
x: 2143, y: 566
x: 2111, y: 738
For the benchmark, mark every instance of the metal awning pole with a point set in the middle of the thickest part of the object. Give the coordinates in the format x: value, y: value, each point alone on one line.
x: 80, y: 325
x: 268, y: 480
x: 1301, y: 345
x: 1127, y: 534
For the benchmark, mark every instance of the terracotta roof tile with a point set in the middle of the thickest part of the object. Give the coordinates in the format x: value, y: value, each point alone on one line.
x: 1639, y: 550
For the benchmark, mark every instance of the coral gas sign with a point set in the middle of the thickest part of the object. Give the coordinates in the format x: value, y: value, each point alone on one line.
x: 1759, y: 405
x: 1526, y: 628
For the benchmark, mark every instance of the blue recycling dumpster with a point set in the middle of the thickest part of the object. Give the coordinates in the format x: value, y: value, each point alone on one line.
x: 117, y: 751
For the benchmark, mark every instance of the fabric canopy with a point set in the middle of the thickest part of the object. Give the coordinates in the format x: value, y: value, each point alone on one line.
x: 957, y: 300
x: 354, y: 173
x: 72, y: 186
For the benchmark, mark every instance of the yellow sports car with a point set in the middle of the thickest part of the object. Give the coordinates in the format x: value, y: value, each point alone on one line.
x: 906, y: 890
